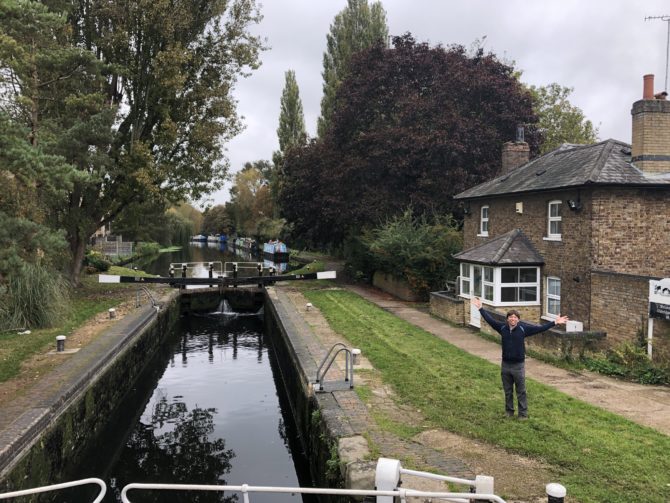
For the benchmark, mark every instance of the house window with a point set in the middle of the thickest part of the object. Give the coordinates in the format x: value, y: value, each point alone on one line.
x: 501, y: 286
x: 465, y: 279
x: 554, y: 220
x: 488, y: 284
x: 518, y: 285
x: 484, y: 221
x: 553, y: 301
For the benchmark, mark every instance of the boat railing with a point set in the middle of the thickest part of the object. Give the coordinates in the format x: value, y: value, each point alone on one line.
x: 388, y: 488
x: 59, y: 487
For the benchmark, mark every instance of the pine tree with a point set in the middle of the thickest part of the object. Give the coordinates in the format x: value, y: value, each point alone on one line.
x: 356, y: 27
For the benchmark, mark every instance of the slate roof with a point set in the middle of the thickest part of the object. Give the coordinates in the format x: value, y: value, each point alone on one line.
x: 604, y: 163
x: 511, y: 248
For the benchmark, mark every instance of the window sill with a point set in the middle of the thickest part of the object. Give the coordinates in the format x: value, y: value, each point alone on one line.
x: 552, y: 238
x: 548, y: 317
x: 483, y: 235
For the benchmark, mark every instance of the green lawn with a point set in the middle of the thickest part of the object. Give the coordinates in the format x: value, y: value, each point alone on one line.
x: 601, y: 457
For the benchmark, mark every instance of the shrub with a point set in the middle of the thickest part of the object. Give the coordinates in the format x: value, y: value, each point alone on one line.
x: 149, y: 248
x: 418, y: 249
x: 94, y: 261
x: 628, y: 361
x: 34, y: 297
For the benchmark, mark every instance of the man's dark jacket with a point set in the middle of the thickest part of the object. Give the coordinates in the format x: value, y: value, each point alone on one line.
x: 513, y: 345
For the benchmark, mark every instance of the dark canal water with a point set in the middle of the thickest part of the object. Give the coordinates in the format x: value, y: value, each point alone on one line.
x: 209, y: 409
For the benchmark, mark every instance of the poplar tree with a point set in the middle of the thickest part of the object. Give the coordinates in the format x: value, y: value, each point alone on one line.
x: 291, y: 130
x: 358, y: 26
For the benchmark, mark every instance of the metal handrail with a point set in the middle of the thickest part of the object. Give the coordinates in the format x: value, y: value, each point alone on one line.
x: 349, y: 364
x: 245, y: 489
x: 56, y: 487
x: 144, y: 289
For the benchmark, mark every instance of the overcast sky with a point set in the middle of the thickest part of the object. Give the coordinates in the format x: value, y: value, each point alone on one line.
x: 601, y: 48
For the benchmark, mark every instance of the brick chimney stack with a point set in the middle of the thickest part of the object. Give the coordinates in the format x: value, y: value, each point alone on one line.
x: 651, y: 130
x: 515, y: 153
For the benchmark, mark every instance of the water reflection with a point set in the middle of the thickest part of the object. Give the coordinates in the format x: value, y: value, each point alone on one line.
x: 206, y: 411
x: 176, y: 444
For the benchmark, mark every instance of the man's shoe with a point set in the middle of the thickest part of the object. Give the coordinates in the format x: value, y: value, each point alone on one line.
x: 509, y: 414
x: 523, y: 418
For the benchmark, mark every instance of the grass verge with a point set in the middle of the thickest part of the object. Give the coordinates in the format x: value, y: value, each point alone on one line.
x: 88, y: 300
x: 601, y: 456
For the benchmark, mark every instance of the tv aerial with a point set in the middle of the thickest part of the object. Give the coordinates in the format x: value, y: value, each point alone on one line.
x: 665, y: 18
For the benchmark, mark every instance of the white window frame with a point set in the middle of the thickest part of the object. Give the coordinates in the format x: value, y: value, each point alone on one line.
x: 496, y: 284
x: 553, y: 236
x: 484, y: 221
x: 465, y: 278
x: 551, y: 296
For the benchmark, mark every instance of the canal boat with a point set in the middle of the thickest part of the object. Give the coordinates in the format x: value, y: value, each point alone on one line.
x: 275, y: 251
x: 245, y: 245
x: 199, y: 238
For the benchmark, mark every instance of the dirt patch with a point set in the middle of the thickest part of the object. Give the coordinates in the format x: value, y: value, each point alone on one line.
x: 42, y: 363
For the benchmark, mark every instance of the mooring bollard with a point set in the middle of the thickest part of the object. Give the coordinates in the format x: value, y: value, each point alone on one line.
x: 355, y: 356
x: 555, y: 493
x: 60, y: 343
x: 112, y: 313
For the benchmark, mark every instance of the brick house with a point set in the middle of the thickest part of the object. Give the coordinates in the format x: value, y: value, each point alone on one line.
x: 578, y: 231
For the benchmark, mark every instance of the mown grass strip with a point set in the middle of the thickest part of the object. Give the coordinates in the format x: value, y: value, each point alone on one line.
x: 601, y: 456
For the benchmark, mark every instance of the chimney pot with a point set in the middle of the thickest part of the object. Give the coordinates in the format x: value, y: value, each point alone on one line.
x: 648, y: 90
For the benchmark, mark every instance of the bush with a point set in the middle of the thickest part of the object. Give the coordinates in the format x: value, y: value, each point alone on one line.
x: 417, y: 249
x: 149, y: 248
x: 34, y: 297
x: 95, y: 262
x: 628, y: 361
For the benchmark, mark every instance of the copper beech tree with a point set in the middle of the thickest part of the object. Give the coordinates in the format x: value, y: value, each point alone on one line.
x: 412, y: 126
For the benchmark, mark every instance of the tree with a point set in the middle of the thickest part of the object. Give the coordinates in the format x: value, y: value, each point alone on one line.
x: 356, y: 27
x: 250, y: 198
x: 32, y: 292
x: 559, y: 120
x: 138, y: 100
x: 414, y: 125
x: 216, y: 220
x: 291, y: 130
